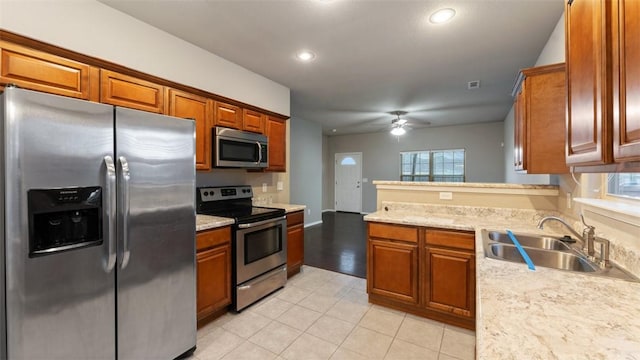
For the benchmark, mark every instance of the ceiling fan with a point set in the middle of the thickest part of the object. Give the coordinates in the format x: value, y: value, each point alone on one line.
x: 398, y: 126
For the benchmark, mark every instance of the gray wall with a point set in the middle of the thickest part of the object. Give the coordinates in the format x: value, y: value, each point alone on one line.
x: 552, y: 53
x: 306, y: 167
x: 381, y: 154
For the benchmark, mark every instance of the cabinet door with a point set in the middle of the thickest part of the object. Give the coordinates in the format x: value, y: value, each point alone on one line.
x: 252, y: 121
x: 189, y: 106
x: 589, y: 127
x: 295, y: 249
x: 128, y: 91
x: 276, y: 131
x: 214, y: 279
x: 35, y: 70
x: 450, y: 281
x: 393, y: 270
x: 227, y: 115
x: 545, y: 114
x: 626, y: 87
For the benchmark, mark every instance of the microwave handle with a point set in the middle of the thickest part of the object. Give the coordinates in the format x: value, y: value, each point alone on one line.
x: 259, y: 152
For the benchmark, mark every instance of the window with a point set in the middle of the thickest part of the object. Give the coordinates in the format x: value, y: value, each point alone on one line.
x: 626, y: 185
x: 434, y: 165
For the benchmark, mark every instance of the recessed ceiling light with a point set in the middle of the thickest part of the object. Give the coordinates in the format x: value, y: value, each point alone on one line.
x: 442, y: 16
x: 305, y: 55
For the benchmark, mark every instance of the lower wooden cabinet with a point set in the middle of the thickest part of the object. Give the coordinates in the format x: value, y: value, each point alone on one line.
x: 295, y: 242
x: 424, y: 271
x: 213, y: 260
x: 394, y: 270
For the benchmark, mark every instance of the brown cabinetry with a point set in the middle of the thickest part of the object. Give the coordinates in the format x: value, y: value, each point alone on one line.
x: 450, y: 272
x: 213, y: 272
x: 276, y: 131
x: 540, y: 121
x: 252, y: 121
x: 392, y: 269
x: 227, y: 115
x: 128, y: 91
x: 602, y: 52
x: 424, y: 271
x: 626, y: 86
x: 200, y: 109
x: 295, y: 242
x: 36, y: 70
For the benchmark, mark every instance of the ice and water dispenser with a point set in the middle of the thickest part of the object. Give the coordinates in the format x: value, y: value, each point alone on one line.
x: 64, y: 219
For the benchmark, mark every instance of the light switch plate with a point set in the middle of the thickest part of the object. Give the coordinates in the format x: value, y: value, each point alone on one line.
x: 280, y: 186
x: 264, y: 187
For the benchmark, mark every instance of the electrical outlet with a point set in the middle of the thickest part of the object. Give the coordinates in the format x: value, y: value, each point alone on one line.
x: 446, y: 195
x: 264, y: 187
x: 280, y: 186
x: 308, y: 211
x: 569, y: 200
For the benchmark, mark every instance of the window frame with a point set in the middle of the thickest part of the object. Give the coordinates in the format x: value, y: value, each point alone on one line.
x: 606, y: 195
x: 431, y: 175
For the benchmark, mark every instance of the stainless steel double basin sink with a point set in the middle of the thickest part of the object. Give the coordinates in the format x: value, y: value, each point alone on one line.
x: 549, y: 252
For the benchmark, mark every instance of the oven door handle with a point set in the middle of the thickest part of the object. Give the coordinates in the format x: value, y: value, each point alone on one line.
x: 250, y: 225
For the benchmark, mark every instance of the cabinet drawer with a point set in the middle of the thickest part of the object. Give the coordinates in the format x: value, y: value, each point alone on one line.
x: 453, y: 239
x: 211, y: 238
x: 393, y: 232
x: 295, y: 218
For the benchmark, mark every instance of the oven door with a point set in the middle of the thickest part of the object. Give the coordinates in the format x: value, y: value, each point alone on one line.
x: 260, y: 247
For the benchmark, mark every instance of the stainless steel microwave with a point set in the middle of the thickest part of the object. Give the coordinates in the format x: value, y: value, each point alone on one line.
x: 239, y: 149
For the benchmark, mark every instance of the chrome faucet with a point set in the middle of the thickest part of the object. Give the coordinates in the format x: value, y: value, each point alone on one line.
x: 587, y: 234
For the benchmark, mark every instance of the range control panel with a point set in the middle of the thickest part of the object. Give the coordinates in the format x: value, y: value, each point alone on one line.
x: 215, y: 193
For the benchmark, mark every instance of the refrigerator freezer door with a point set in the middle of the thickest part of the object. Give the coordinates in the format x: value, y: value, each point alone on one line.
x: 156, y: 244
x: 59, y: 305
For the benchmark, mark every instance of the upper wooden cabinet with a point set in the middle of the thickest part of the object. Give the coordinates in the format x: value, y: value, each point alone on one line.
x: 252, y: 121
x: 540, y: 121
x: 200, y: 109
x: 626, y: 86
x: 36, y: 70
x: 227, y: 115
x: 128, y: 91
x: 603, y: 63
x: 276, y: 131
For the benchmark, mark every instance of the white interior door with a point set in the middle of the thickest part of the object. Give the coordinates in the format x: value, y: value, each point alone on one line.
x: 348, y: 185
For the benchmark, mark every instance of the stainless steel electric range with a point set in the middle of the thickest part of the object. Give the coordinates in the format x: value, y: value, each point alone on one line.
x: 259, y: 244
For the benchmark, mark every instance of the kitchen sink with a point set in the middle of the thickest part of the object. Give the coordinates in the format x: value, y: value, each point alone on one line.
x: 561, y: 260
x: 534, y: 241
x: 549, y: 252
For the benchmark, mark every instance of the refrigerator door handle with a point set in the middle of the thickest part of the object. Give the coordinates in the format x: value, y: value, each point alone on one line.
x: 109, y: 212
x: 124, y: 208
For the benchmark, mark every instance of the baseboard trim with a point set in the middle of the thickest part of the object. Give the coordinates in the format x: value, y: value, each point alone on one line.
x: 313, y: 223
x: 329, y: 210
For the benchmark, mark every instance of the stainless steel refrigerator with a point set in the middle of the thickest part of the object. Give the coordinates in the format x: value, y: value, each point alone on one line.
x: 98, y: 226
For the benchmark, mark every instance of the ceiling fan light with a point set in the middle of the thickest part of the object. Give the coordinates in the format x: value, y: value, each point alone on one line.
x: 442, y: 16
x: 397, y: 131
x: 401, y: 121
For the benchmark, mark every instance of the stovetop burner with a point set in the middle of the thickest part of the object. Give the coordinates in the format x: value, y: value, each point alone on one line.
x: 233, y: 202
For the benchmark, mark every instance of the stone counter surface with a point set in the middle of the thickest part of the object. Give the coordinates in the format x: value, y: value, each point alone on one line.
x: 289, y: 208
x: 541, y: 314
x: 205, y: 222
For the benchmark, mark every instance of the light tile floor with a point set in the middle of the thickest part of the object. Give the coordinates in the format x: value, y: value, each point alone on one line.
x: 325, y: 315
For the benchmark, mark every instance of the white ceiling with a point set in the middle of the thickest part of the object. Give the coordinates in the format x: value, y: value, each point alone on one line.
x: 373, y: 57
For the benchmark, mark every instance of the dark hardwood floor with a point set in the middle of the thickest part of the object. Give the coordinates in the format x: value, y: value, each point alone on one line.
x: 338, y: 244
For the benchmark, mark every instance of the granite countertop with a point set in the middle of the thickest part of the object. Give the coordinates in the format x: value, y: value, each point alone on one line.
x: 465, y: 184
x: 204, y: 222
x: 541, y: 314
x: 289, y: 208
